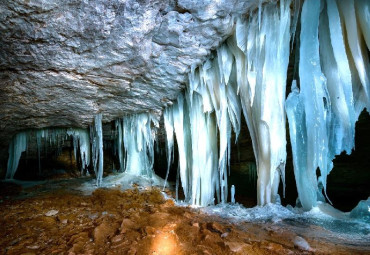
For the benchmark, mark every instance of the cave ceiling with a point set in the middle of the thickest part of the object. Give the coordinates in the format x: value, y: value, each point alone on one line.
x: 64, y: 61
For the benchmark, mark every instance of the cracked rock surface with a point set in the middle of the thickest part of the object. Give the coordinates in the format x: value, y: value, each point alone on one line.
x: 63, y: 61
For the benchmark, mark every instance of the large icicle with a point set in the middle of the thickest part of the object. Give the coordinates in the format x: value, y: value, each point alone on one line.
x: 169, y: 127
x: 16, y: 147
x: 335, y: 66
x: 357, y: 46
x: 97, y: 148
x: 120, y: 151
x: 182, y: 131
x: 306, y: 180
x: 316, y: 102
x: 204, y: 153
x: 139, y: 143
x: 262, y: 91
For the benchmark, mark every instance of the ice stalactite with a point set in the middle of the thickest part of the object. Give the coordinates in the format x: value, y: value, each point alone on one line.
x: 363, y: 14
x: 169, y: 127
x: 254, y: 64
x: 261, y: 51
x: 81, y: 142
x: 138, y: 137
x: 96, y: 136
x: 334, y: 86
x: 16, y: 147
x: 181, y: 123
x: 119, y: 127
x: 46, y: 138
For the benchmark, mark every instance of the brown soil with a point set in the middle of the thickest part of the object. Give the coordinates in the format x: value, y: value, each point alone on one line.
x: 136, y: 222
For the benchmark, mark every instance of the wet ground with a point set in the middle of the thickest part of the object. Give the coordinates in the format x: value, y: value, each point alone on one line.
x: 55, y: 217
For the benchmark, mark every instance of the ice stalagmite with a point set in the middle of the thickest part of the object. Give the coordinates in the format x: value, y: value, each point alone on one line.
x: 97, y: 148
x: 16, y: 147
x: 139, y: 139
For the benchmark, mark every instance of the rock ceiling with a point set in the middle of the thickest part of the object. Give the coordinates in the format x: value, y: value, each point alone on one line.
x: 63, y: 61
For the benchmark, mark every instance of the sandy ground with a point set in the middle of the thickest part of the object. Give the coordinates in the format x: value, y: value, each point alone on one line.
x: 60, y: 220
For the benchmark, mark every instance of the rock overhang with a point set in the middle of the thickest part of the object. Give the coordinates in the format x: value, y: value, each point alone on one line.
x: 62, y: 62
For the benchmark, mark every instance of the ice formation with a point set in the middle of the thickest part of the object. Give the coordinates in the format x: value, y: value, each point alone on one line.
x: 138, y: 137
x: 96, y: 136
x: 362, y: 210
x: 232, y: 200
x: 119, y: 128
x: 247, y: 73
x: 46, y: 138
x: 334, y: 85
x: 81, y: 142
x: 16, y: 147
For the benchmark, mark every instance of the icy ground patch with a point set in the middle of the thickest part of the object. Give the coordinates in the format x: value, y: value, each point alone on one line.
x: 322, y: 221
x: 124, y: 181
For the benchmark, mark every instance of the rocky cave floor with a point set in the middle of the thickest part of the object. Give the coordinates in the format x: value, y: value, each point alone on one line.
x: 56, y: 218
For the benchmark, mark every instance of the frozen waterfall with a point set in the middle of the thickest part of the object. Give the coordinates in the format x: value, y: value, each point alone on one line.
x: 247, y: 73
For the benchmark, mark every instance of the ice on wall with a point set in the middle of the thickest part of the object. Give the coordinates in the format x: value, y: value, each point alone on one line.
x: 138, y: 142
x: 16, y: 147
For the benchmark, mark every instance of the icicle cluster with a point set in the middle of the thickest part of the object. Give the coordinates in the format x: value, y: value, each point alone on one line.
x: 16, y: 147
x: 248, y: 73
x: 81, y: 142
x: 334, y: 89
x: 48, y: 137
x: 136, y: 154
